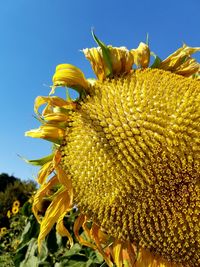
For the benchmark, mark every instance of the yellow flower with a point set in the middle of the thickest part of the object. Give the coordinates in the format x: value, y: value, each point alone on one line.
x: 16, y: 203
x: 15, y: 243
x: 3, y: 231
x: 15, y: 209
x: 9, y: 214
x: 127, y: 157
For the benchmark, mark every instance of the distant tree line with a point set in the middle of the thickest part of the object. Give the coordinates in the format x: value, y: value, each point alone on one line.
x: 12, y: 189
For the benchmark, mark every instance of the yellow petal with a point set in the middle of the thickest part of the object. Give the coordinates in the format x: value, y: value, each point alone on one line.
x: 49, y: 132
x: 52, y: 101
x: 61, y: 229
x: 120, y: 58
x: 55, y: 212
x: 181, y: 62
x: 56, y: 117
x: 70, y: 76
x: 95, y: 234
x: 94, y: 55
x: 117, y: 253
x: 141, y: 55
x: 65, y: 180
x: 44, y: 172
x: 41, y: 193
x: 188, y: 68
x: 149, y: 259
x: 77, y: 225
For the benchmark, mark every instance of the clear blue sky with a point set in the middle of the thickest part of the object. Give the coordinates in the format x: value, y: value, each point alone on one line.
x: 36, y: 35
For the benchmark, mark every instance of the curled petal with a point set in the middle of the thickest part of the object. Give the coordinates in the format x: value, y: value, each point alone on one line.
x: 53, y: 101
x: 56, y: 117
x: 44, y: 172
x: 120, y: 58
x: 61, y: 229
x: 95, y: 233
x: 49, y: 132
x: 180, y: 61
x: 94, y: 55
x: 60, y: 205
x: 70, y: 76
x: 79, y: 222
x: 41, y: 193
x: 188, y: 68
x: 141, y: 55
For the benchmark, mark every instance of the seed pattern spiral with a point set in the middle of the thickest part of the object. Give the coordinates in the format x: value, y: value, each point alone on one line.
x: 133, y: 152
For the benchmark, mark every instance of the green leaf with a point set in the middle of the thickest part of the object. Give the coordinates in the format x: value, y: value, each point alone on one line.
x: 20, y: 255
x: 27, y: 209
x: 52, y: 241
x: 30, y: 258
x: 95, y: 257
x: 106, y: 54
x: 72, y: 263
x: 31, y: 261
x: 43, y: 252
x: 156, y: 62
x: 38, y: 162
x: 74, y: 250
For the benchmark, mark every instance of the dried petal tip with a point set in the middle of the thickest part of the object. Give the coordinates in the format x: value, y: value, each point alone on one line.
x: 181, y: 62
x: 141, y: 55
x: 120, y: 58
x: 70, y: 76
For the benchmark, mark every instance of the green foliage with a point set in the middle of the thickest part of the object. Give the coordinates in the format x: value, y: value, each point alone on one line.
x: 55, y: 249
x: 10, y: 239
x: 18, y: 243
x: 5, y: 180
x: 13, y: 189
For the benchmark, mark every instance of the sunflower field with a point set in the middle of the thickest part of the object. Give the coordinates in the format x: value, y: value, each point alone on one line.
x: 121, y: 186
x: 19, y: 232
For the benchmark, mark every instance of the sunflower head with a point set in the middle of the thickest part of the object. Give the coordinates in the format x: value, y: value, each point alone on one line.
x: 16, y: 203
x: 3, y: 231
x: 126, y: 153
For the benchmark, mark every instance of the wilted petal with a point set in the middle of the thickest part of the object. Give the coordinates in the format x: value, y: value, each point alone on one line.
x: 49, y: 132
x: 94, y: 55
x: 120, y: 59
x: 44, y: 172
x: 53, y: 101
x: 141, y: 55
x: 70, y: 76
x: 41, y: 193
x: 60, y: 205
x: 180, y: 61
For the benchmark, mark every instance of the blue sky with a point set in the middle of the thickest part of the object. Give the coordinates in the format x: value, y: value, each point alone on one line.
x: 36, y: 35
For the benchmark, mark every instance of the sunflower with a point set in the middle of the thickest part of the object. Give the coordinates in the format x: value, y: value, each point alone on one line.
x: 16, y: 203
x: 127, y: 154
x: 15, y: 209
x: 3, y: 231
x: 9, y: 213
